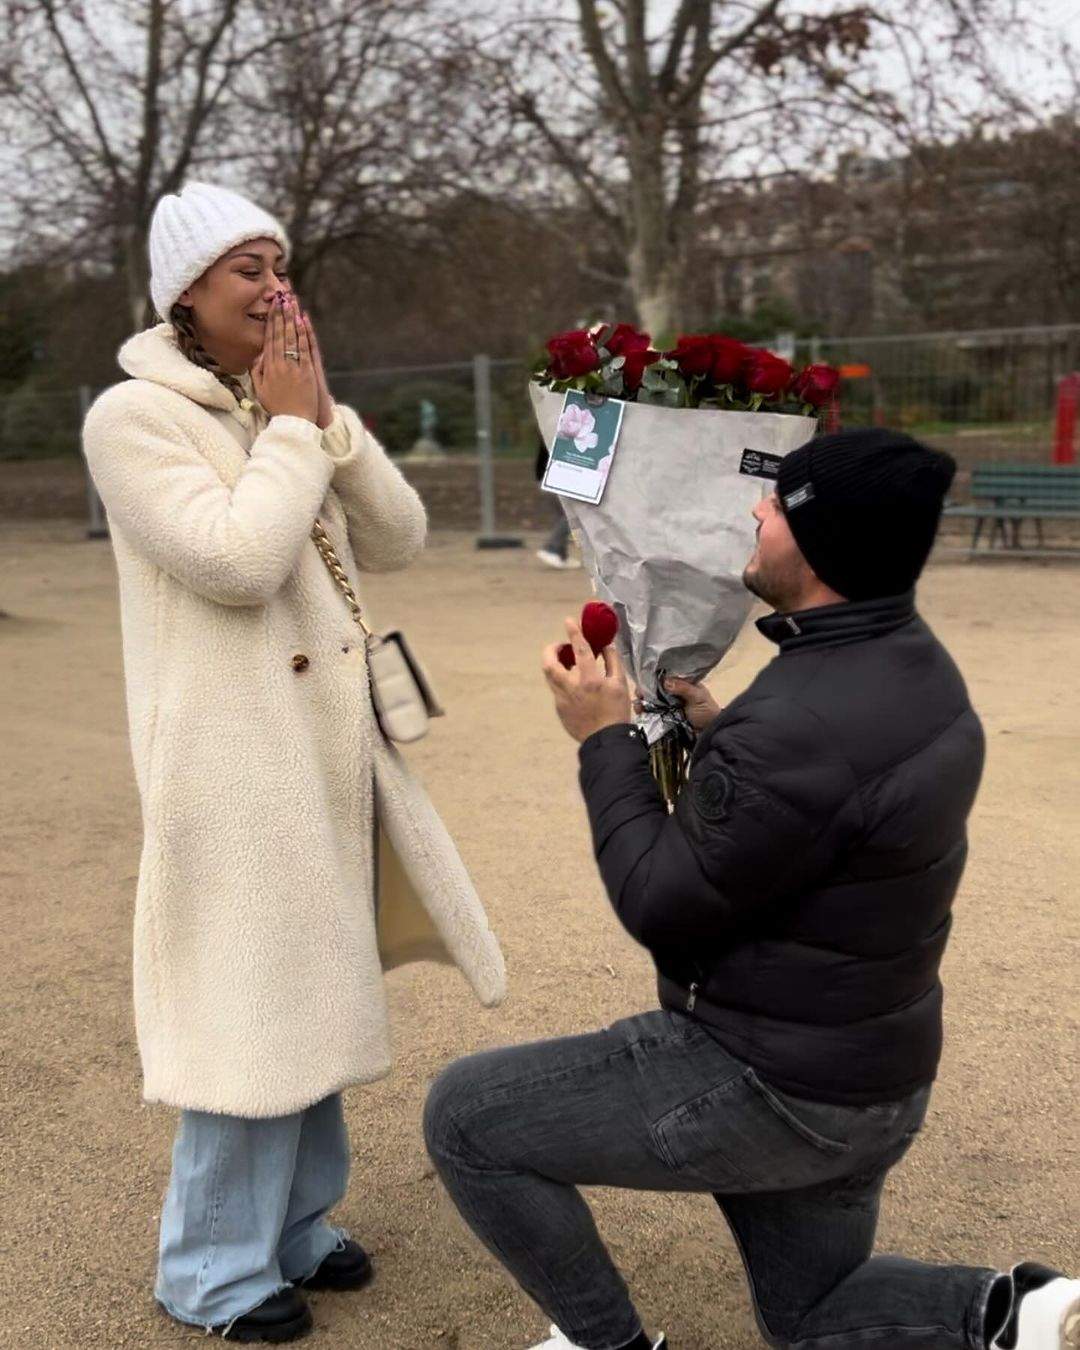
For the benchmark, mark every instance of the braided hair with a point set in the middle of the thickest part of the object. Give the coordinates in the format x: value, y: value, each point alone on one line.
x: 183, y: 323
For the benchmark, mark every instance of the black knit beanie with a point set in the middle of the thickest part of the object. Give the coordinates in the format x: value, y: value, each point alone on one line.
x: 864, y: 508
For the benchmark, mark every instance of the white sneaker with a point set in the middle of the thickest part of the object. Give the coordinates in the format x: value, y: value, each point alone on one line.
x: 550, y: 559
x: 1045, y: 1312
x: 557, y: 1341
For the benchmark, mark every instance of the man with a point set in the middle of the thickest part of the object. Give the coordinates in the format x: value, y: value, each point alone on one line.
x: 796, y: 905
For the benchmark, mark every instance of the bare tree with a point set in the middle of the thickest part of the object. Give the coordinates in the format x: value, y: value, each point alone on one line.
x: 644, y: 113
x: 356, y: 122
x: 111, y: 108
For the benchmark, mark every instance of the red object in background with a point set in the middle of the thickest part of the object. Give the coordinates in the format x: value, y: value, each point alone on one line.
x: 1065, y: 428
x: 599, y: 624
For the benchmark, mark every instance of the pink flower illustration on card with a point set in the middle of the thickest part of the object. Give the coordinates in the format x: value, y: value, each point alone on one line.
x: 578, y: 425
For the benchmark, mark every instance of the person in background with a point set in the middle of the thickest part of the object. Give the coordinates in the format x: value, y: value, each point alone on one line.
x: 556, y: 549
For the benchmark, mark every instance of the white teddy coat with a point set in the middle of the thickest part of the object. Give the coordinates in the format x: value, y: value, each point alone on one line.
x: 259, y: 941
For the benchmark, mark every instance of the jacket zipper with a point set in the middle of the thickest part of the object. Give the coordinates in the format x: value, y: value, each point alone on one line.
x: 692, y: 999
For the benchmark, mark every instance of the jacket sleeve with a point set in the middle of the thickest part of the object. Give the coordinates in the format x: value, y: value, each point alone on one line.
x: 234, y: 545
x: 752, y: 824
x: 386, y: 518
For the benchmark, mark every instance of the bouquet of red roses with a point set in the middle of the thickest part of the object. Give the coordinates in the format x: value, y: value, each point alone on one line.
x: 704, y: 428
x: 702, y: 370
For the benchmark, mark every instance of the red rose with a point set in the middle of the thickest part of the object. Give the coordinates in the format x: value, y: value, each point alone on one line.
x: 765, y: 373
x: 634, y: 363
x: 572, y: 354
x: 693, y: 354
x: 599, y: 624
x: 626, y: 338
x: 710, y: 354
x: 816, y: 384
x: 729, y: 356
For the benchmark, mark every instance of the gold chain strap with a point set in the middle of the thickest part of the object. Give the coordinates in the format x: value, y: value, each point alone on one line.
x: 333, y: 565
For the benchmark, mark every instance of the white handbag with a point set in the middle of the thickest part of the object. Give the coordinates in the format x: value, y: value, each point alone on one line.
x: 401, y: 693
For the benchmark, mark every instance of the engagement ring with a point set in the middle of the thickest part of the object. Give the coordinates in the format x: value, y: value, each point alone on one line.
x: 293, y: 356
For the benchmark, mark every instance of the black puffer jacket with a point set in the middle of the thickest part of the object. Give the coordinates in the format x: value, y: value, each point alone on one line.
x: 798, y: 901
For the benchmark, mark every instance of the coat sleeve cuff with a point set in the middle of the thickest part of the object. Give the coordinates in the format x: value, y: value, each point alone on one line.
x: 300, y: 427
x: 337, y: 442
x: 624, y: 738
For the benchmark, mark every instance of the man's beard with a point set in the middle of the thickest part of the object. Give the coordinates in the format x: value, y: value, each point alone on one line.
x: 778, y: 591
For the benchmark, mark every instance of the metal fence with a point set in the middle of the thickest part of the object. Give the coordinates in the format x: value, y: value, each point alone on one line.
x: 989, y: 397
x: 985, y: 395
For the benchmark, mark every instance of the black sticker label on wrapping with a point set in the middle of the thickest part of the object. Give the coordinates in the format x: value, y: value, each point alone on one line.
x: 757, y: 464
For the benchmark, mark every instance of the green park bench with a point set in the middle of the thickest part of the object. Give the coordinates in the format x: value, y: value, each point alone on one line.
x: 1005, y: 495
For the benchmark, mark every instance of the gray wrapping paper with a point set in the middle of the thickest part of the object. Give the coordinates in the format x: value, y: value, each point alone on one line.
x: 667, y: 545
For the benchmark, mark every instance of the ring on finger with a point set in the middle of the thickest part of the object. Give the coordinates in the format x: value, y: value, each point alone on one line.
x: 292, y: 355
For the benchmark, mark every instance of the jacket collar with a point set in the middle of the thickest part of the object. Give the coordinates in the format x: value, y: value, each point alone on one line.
x: 153, y: 355
x: 834, y: 625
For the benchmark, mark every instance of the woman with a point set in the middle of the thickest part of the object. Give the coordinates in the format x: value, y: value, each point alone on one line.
x: 267, y: 788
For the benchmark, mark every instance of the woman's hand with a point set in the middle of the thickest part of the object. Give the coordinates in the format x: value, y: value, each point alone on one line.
x: 284, y: 385
x: 325, y: 414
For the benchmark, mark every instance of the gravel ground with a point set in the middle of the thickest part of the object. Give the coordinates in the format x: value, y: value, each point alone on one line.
x: 83, y: 1163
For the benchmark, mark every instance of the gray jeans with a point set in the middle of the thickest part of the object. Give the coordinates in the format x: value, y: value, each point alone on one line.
x: 655, y: 1103
x: 558, y: 541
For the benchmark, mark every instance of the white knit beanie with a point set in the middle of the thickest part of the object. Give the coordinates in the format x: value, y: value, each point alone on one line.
x: 190, y: 231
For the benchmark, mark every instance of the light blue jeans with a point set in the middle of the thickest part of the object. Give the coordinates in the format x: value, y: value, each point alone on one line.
x: 245, y: 1213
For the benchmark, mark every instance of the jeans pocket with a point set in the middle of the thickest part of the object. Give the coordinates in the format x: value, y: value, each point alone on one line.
x: 743, y: 1136
x: 796, y: 1115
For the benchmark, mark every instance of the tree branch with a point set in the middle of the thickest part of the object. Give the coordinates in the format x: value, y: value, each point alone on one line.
x: 72, y: 65
x: 606, y: 69
x: 704, y: 67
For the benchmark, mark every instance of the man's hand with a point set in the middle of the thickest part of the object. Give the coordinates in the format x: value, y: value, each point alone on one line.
x: 593, y: 695
x: 700, y: 707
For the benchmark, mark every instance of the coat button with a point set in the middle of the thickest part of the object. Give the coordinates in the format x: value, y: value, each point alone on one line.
x: 300, y: 662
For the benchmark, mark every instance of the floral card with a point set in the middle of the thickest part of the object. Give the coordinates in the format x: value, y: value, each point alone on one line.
x: 584, y: 446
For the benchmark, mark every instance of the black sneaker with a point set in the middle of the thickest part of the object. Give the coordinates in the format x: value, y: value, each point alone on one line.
x: 282, y: 1317
x: 349, y: 1268
x: 1045, y: 1311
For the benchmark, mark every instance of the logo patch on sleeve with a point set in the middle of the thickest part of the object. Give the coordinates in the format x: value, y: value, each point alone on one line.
x: 757, y: 464
x: 713, y: 794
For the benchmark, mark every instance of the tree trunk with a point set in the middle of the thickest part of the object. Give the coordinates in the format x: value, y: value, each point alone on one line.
x: 656, y: 274
x: 655, y: 252
x: 137, y: 278
x: 657, y: 300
